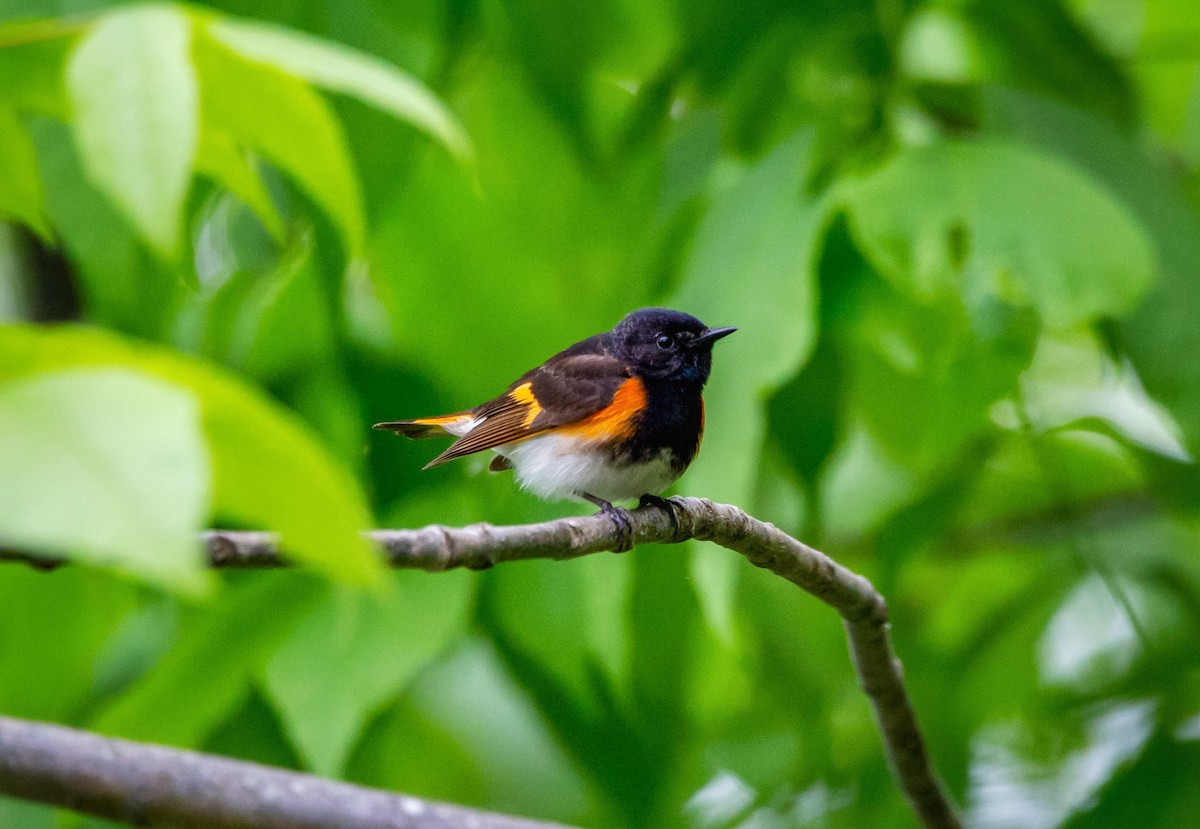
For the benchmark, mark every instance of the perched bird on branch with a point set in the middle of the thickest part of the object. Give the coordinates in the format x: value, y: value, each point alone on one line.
x: 614, y: 417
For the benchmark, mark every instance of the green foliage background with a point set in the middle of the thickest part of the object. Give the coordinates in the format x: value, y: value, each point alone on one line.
x: 961, y: 240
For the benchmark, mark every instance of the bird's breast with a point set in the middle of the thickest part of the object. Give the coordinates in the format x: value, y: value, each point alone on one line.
x: 672, y: 422
x: 557, y: 466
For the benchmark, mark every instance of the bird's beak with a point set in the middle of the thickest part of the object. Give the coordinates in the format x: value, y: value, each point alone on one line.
x: 710, y: 335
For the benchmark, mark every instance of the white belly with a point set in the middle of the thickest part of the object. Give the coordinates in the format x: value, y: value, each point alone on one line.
x: 557, y: 468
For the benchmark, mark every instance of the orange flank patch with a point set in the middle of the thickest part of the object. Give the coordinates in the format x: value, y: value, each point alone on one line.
x: 616, y: 420
x: 523, y: 394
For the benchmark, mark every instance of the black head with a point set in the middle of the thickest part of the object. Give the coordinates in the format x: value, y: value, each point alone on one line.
x: 667, y: 344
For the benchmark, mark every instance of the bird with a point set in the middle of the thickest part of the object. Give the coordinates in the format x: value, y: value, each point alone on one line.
x: 615, y: 417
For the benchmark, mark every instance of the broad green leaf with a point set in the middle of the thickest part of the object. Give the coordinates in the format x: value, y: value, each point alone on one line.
x: 926, y: 373
x: 280, y: 117
x: 354, y: 652
x: 135, y: 111
x: 751, y: 266
x: 268, y: 471
x: 341, y: 69
x: 1162, y: 326
x: 1000, y: 220
x: 20, y: 188
x: 211, y: 666
x: 113, y: 470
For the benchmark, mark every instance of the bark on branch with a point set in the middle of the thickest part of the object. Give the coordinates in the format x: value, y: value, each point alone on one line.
x: 149, y: 785
x: 862, y: 608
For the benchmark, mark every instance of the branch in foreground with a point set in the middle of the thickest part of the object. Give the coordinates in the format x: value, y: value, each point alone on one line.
x: 155, y: 786
x: 862, y: 608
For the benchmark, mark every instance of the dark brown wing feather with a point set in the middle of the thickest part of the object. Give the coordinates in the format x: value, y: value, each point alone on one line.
x: 570, y: 386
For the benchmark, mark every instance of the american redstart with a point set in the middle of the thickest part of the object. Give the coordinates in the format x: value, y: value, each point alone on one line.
x: 614, y: 417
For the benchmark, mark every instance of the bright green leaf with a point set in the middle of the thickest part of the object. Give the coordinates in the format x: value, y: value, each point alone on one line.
x: 281, y: 118
x: 354, y: 652
x: 210, y: 668
x: 20, y: 188
x: 135, y: 103
x: 268, y: 471
x: 1002, y: 220
x: 113, y: 471
x: 342, y: 69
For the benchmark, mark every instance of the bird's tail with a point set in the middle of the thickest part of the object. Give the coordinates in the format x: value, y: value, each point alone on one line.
x: 428, y: 427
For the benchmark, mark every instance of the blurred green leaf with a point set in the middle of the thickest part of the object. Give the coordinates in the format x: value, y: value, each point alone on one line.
x: 1041, y: 46
x: 267, y: 470
x: 353, y: 652
x: 529, y: 275
x: 555, y: 45
x: 537, y: 776
x: 1002, y: 221
x: 32, y: 54
x: 1154, y: 790
x: 219, y: 157
x: 1160, y: 328
x: 926, y: 374
x: 20, y: 187
x: 751, y: 265
x: 136, y: 115
x: 210, y: 668
x: 54, y: 628
x: 280, y: 117
x: 340, y: 69
x: 119, y: 282
x: 762, y: 232
x: 114, y: 472
x: 404, y: 749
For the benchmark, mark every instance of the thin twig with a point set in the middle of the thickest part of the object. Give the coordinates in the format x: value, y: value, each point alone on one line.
x: 863, y: 609
x: 148, y: 785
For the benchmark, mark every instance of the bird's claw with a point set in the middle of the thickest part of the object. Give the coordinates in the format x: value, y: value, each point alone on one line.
x: 668, y: 504
x: 620, y: 519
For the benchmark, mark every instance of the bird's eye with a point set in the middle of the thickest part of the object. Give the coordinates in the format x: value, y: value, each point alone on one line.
x: 665, y: 341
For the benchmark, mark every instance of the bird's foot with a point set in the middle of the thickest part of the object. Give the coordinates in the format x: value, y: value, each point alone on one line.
x: 668, y: 504
x: 619, y: 517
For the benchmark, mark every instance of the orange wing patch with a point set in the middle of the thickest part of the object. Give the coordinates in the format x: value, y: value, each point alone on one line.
x: 500, y: 421
x: 523, y: 394
x: 617, y: 420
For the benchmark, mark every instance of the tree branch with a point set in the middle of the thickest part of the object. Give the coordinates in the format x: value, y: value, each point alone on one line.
x: 863, y: 609
x: 147, y: 785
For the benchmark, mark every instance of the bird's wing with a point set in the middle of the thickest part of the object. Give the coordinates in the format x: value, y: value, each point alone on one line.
x: 570, y: 390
